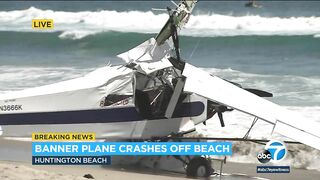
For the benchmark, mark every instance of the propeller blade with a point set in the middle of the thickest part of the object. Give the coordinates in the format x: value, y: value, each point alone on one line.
x: 221, y: 119
x: 259, y: 92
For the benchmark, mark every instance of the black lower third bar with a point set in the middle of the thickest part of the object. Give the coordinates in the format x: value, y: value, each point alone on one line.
x: 273, y: 169
x: 71, y: 160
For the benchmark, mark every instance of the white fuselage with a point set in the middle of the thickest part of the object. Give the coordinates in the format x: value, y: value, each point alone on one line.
x: 77, y: 106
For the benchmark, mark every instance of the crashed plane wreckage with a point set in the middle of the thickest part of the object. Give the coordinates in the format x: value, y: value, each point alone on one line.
x: 154, y: 94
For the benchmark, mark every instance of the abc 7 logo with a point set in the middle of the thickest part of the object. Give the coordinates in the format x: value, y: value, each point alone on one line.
x: 264, y: 156
x: 274, y: 151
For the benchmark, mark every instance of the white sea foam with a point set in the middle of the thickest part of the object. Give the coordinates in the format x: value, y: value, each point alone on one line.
x: 17, y: 78
x: 76, y: 25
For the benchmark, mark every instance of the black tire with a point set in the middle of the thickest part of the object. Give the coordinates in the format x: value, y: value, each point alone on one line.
x: 199, y: 167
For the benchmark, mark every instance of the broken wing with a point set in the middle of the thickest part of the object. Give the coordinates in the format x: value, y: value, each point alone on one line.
x: 287, y: 123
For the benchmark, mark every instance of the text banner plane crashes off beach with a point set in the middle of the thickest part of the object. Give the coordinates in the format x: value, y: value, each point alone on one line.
x: 154, y: 94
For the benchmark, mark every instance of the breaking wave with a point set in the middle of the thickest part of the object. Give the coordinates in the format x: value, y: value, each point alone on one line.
x: 76, y: 25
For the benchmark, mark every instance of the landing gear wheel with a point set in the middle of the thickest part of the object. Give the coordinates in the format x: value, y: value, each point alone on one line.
x: 199, y: 167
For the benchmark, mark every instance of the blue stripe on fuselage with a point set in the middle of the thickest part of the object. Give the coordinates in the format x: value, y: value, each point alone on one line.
x: 123, y: 114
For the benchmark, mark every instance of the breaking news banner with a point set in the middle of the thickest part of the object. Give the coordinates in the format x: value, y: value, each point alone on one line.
x: 130, y: 148
x: 64, y: 136
x: 83, y: 152
x: 67, y: 160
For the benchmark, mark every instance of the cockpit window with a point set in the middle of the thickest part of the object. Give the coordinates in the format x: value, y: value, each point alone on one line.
x: 153, y: 93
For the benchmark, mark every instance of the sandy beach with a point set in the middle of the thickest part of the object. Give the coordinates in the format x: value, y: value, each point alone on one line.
x: 10, y: 170
x: 15, y: 163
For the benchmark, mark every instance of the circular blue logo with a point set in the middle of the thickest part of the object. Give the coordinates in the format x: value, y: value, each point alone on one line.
x: 277, y: 150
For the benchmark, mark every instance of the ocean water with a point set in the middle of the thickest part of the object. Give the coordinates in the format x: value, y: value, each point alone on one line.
x: 274, y: 48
